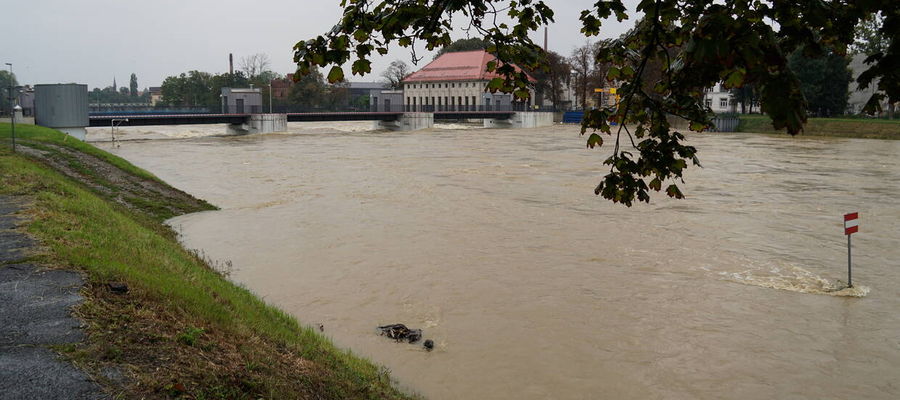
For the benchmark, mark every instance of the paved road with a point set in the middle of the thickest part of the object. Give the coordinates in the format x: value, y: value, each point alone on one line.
x: 35, y: 306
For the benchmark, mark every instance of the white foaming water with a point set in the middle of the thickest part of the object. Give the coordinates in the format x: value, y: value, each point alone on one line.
x: 129, y: 133
x: 456, y: 126
x: 795, y: 279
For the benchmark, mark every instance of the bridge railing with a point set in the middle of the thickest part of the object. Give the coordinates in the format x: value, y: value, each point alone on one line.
x: 125, y: 109
x: 403, y: 108
x: 108, y: 110
x: 243, y: 109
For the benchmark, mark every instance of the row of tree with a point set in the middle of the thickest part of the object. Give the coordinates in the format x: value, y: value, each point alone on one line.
x: 7, y: 80
x: 122, y: 95
x: 203, y: 89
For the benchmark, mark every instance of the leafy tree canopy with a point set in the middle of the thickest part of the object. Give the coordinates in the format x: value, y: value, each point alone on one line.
x: 133, y: 85
x: 464, y: 45
x: 6, y: 80
x: 824, y: 81
x: 869, y: 36
x: 737, y: 42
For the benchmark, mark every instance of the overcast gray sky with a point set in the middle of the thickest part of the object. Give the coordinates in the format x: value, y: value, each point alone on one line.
x: 92, y: 41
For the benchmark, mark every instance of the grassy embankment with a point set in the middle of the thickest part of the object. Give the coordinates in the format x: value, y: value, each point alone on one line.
x: 182, y: 330
x: 839, y: 127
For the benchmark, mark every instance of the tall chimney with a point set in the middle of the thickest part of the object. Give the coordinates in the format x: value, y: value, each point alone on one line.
x: 545, y: 39
x: 230, y: 64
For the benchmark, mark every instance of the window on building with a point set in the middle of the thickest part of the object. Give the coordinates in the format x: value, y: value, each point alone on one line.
x: 723, y: 102
x: 709, y: 103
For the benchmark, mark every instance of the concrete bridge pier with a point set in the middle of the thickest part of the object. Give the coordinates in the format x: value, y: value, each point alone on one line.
x: 259, y: 123
x: 521, y: 120
x: 412, y: 121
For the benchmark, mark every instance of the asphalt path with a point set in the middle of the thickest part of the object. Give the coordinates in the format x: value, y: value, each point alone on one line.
x: 35, y: 313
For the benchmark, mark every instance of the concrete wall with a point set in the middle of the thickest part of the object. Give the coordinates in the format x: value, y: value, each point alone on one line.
x: 19, y: 120
x: 407, y: 122
x: 521, y: 120
x: 260, y: 123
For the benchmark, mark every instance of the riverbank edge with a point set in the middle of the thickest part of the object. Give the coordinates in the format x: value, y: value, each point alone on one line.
x: 181, y: 329
x: 827, y: 127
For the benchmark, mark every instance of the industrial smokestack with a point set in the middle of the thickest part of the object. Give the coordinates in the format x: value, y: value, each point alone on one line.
x: 545, y: 39
x: 230, y: 64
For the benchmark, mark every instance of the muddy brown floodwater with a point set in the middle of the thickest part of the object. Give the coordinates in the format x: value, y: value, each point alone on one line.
x: 531, y: 287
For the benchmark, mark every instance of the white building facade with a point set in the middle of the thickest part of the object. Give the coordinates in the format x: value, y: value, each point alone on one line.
x: 457, y: 82
x: 720, y: 100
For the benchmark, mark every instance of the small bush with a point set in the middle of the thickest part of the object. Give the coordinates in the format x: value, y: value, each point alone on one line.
x: 190, y: 336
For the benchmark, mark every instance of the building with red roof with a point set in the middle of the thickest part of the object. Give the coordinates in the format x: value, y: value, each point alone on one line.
x: 457, y: 81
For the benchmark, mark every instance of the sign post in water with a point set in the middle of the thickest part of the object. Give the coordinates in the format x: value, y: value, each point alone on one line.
x: 851, y: 226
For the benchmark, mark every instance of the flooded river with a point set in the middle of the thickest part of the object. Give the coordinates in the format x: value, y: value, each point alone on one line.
x: 531, y: 287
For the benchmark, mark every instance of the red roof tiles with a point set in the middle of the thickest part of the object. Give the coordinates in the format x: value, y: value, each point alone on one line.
x: 457, y: 66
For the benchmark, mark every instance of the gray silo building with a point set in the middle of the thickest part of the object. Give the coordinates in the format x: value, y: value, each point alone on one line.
x: 63, y: 107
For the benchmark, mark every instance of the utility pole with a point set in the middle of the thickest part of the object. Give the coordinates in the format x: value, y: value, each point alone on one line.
x: 12, y: 112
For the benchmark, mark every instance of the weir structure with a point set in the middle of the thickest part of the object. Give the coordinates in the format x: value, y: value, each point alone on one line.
x: 390, y: 120
x: 259, y: 123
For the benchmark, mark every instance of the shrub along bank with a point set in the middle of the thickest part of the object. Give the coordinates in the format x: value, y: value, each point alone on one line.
x: 182, y: 329
x: 838, y: 127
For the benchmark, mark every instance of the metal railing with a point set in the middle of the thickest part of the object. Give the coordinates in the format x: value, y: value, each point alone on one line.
x: 725, y: 123
x: 125, y: 109
x: 402, y: 108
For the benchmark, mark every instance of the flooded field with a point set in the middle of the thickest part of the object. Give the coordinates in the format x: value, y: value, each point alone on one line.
x: 493, y: 242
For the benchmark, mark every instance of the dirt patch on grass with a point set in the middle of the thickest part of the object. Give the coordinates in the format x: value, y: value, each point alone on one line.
x: 150, y: 197
x: 164, y: 354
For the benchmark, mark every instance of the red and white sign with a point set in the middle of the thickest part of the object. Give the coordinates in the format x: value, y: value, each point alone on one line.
x: 851, y: 223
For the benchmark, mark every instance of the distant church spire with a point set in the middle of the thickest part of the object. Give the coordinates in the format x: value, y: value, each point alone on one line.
x: 115, y: 88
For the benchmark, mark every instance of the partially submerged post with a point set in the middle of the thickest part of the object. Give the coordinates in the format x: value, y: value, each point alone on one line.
x: 851, y: 226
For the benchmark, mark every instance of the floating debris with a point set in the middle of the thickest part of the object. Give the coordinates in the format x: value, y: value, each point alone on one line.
x: 429, y: 345
x: 400, y: 332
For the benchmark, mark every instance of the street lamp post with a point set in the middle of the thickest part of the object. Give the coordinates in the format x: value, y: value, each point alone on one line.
x: 270, y: 98
x: 11, y: 106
